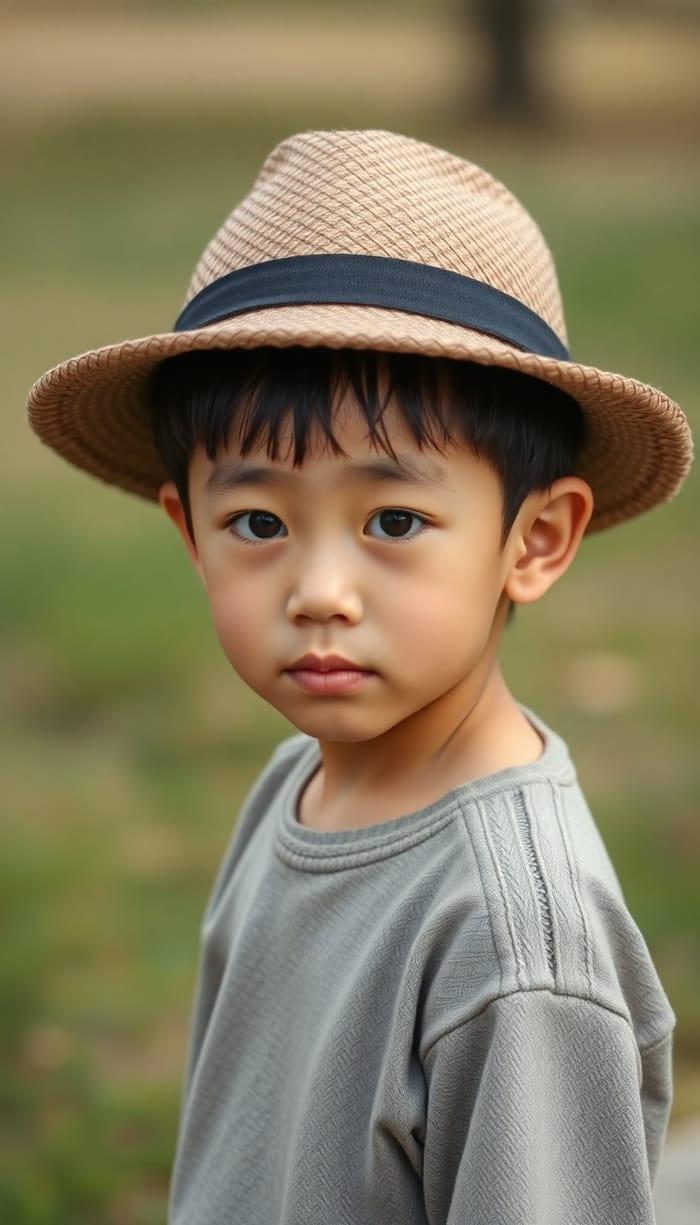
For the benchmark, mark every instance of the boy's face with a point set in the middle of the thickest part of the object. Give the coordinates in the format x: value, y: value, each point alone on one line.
x: 354, y: 591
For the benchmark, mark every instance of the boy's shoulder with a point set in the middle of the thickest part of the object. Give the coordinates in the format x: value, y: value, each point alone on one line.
x: 507, y: 884
x: 542, y: 910
x: 520, y: 857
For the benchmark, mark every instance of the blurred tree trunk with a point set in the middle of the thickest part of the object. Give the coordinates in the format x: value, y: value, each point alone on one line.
x: 510, y: 32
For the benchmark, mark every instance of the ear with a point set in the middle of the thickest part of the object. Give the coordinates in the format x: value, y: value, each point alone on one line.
x: 545, y: 537
x: 169, y: 499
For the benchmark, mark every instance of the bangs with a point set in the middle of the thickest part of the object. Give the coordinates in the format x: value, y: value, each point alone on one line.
x: 262, y: 396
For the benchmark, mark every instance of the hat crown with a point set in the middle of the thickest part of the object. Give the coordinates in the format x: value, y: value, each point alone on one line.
x: 375, y: 193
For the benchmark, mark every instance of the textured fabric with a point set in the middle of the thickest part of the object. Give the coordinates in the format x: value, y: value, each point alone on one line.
x: 445, y: 1018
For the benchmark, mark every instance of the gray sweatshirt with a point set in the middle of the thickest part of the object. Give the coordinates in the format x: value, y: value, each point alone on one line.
x: 448, y: 1017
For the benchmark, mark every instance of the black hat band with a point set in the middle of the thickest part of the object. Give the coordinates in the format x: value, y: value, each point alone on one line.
x: 371, y: 280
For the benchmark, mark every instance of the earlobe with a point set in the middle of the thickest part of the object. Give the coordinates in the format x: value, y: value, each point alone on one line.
x: 546, y: 536
x: 169, y: 499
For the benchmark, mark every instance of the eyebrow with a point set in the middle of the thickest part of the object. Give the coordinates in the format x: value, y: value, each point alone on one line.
x: 403, y: 468
x: 236, y: 474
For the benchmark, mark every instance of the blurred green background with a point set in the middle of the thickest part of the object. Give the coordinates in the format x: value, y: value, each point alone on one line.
x: 128, y: 131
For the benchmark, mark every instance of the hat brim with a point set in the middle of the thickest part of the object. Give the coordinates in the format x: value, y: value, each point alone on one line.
x: 94, y: 410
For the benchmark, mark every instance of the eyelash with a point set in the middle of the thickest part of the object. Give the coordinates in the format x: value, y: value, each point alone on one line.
x: 233, y: 524
x: 397, y: 510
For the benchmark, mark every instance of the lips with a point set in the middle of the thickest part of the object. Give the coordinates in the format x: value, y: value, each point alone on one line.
x: 329, y: 675
x: 324, y: 663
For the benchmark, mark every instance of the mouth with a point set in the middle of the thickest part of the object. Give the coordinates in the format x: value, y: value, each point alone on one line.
x: 327, y: 674
x: 324, y: 663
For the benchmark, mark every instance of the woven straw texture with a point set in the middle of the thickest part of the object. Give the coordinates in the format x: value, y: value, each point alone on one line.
x: 371, y: 193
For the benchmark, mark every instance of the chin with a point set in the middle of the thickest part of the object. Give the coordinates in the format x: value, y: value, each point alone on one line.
x: 335, y: 730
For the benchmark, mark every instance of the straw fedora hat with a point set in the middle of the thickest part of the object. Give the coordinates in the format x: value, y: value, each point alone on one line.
x: 368, y: 240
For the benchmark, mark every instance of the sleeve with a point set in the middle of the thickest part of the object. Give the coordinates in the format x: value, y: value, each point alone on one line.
x: 538, y: 1114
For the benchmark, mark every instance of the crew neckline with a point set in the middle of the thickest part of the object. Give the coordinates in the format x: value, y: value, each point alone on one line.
x: 331, y: 850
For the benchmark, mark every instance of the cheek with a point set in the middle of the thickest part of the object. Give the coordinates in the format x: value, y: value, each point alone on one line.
x: 452, y: 605
x: 438, y: 636
x: 238, y: 612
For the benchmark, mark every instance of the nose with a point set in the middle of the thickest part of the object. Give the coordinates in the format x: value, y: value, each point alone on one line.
x: 324, y: 588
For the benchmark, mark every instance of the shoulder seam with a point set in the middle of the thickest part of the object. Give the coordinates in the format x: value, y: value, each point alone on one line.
x: 524, y: 825
x: 487, y: 908
x: 505, y: 900
x: 575, y: 885
x: 521, y: 991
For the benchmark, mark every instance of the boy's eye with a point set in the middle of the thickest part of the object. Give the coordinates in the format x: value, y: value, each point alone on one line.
x: 394, y: 524
x: 258, y: 525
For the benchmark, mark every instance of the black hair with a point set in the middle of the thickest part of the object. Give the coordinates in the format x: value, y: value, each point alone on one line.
x: 528, y: 431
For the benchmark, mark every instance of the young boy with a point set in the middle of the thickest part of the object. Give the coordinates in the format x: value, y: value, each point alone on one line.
x: 421, y: 997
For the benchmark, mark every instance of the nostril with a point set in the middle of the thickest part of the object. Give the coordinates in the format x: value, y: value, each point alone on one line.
x: 324, y: 604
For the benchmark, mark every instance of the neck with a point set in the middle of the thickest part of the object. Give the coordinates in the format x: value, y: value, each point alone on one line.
x: 463, y: 737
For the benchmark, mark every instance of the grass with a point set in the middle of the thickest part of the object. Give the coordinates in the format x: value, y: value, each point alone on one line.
x: 126, y: 743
